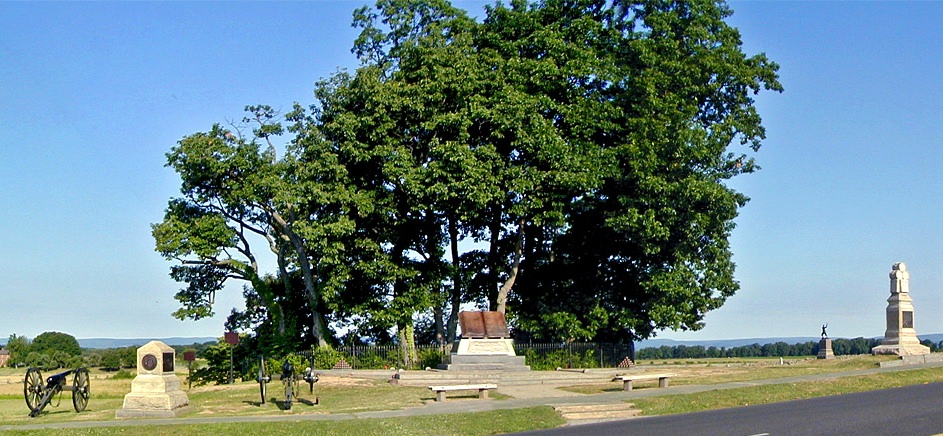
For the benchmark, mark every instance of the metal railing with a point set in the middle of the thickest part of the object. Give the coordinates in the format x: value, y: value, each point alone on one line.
x: 539, y: 356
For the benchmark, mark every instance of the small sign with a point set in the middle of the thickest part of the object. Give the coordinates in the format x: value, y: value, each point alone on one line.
x: 232, y: 338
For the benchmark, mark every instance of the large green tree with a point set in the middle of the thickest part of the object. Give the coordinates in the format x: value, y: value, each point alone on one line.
x: 586, y: 143
x: 646, y: 249
x: 18, y: 347
x: 53, y: 342
x: 236, y: 194
x: 561, y: 161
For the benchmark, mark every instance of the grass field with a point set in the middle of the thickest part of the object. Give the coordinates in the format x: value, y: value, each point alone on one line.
x: 340, y: 396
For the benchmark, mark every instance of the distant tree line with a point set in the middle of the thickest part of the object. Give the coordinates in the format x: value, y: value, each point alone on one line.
x: 52, y: 350
x: 48, y: 350
x: 777, y: 349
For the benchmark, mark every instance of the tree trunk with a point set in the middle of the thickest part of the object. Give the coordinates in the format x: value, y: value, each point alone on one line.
x: 493, y: 259
x: 438, y: 314
x: 515, y: 267
x: 456, y: 297
x: 407, y: 343
x: 317, y: 323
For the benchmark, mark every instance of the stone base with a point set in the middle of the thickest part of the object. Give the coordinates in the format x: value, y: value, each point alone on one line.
x: 485, y: 362
x: 825, y: 349
x: 140, y: 413
x: 503, y: 347
x: 153, y: 396
x: 901, y: 349
x: 471, y: 354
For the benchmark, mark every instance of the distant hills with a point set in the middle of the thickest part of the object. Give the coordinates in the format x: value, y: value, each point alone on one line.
x: 105, y: 343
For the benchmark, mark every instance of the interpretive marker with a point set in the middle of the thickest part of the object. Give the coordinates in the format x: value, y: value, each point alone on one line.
x: 156, y: 390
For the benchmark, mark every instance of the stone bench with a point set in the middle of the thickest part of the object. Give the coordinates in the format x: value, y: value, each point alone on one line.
x: 482, y: 390
x: 629, y: 378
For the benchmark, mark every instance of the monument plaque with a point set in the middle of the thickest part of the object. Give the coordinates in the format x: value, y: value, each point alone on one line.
x: 156, y: 391
x: 900, y: 337
x: 486, y: 344
x: 472, y: 324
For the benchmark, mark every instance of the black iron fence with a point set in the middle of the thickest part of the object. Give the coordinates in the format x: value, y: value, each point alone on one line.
x: 539, y: 356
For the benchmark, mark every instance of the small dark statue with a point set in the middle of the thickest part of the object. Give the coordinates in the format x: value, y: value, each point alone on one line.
x: 824, y: 335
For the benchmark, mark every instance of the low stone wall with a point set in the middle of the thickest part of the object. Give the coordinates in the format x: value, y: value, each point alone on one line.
x: 914, y: 360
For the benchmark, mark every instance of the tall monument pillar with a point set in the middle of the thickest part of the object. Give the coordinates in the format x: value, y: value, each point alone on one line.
x: 900, y: 338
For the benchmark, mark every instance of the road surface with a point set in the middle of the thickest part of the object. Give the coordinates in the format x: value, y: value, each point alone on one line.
x: 911, y: 410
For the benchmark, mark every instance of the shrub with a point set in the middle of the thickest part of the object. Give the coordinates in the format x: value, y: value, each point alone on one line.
x: 123, y: 374
x: 326, y: 358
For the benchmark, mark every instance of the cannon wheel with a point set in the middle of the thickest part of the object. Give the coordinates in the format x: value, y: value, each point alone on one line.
x: 33, y: 388
x: 261, y: 377
x: 80, y: 389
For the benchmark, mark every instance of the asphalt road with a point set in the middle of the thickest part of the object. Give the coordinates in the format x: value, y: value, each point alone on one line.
x: 911, y: 410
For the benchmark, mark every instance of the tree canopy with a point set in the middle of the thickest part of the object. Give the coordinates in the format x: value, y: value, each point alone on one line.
x: 51, y: 342
x: 563, y: 162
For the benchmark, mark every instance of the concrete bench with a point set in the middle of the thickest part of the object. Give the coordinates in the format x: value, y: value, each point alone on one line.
x: 629, y: 378
x: 482, y: 390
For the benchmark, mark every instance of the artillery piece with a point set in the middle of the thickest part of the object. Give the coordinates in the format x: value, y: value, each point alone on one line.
x: 289, y: 379
x: 39, y: 395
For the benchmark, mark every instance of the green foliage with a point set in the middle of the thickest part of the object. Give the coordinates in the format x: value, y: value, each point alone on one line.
x: 18, y: 347
x: 217, y: 365
x: 326, y: 358
x: 561, y: 358
x: 123, y: 374
x: 430, y: 357
x: 580, y: 149
x: 116, y: 358
x: 50, y: 342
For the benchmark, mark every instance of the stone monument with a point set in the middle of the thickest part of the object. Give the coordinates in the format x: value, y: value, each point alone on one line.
x: 156, y: 390
x: 486, y: 344
x: 900, y: 338
x: 825, y: 345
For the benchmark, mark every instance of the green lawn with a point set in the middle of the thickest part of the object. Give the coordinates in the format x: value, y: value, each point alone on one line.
x: 340, y: 396
x: 484, y: 423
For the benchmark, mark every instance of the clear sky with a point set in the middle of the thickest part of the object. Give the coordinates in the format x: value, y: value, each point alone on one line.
x: 92, y: 95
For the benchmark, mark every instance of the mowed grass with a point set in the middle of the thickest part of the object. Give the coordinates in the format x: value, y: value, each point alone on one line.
x: 474, y: 424
x: 339, y: 396
x: 335, y: 396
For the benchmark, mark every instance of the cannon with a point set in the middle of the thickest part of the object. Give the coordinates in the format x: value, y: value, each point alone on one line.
x: 39, y: 395
x: 289, y: 378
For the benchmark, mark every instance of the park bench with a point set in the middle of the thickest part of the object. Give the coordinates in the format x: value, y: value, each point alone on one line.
x: 627, y: 379
x: 482, y: 390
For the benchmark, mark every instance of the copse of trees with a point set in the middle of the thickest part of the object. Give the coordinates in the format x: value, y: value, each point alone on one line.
x: 47, y: 350
x: 562, y: 162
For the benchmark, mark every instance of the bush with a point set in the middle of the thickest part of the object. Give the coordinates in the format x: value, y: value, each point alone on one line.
x: 217, y: 366
x: 123, y: 374
x: 326, y: 358
x: 430, y: 357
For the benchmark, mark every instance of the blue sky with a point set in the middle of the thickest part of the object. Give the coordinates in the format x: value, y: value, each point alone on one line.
x: 92, y: 95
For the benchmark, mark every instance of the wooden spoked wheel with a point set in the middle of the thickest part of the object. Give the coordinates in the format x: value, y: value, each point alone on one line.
x: 33, y: 388
x: 80, y: 391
